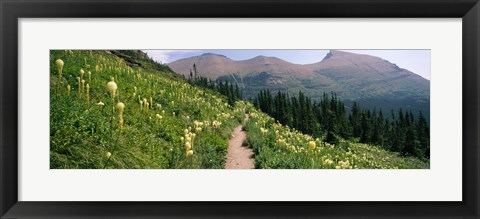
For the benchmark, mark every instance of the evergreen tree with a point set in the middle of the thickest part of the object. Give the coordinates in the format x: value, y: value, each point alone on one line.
x: 356, y: 120
x: 365, y: 136
x: 195, y: 71
x: 423, y: 135
x: 411, y: 142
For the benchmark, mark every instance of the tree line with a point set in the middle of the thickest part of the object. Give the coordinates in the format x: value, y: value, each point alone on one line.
x: 229, y: 90
x: 401, y: 132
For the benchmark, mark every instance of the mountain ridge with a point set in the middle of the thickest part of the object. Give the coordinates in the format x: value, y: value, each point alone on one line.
x: 309, y: 65
x: 371, y: 81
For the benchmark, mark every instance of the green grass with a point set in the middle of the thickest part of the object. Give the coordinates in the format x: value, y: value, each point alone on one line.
x: 82, y: 132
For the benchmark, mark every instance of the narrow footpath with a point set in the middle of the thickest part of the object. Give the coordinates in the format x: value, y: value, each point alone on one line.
x: 238, y: 156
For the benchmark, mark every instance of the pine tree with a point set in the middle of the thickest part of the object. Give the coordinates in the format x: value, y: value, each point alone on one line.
x: 356, y: 120
x: 411, y: 142
x: 423, y: 135
x: 195, y: 71
x: 365, y: 136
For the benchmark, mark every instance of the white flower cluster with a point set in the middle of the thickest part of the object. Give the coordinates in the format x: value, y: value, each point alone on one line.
x: 216, y: 123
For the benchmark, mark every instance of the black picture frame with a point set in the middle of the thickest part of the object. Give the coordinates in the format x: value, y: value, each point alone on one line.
x: 12, y: 10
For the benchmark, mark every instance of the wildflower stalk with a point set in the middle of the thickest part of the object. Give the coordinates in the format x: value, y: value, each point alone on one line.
x: 88, y: 93
x: 120, y: 106
x: 112, y: 88
x: 117, y: 142
x: 81, y: 73
x: 83, y: 86
x: 59, y: 63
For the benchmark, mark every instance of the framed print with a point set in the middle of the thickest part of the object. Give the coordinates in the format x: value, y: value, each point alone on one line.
x: 239, y: 109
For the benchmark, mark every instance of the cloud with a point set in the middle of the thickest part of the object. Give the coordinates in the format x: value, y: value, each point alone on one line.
x: 167, y: 56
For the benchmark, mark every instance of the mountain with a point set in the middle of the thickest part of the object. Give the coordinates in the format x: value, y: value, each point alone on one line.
x: 371, y: 81
x: 252, y: 74
x: 209, y: 65
x: 360, y: 76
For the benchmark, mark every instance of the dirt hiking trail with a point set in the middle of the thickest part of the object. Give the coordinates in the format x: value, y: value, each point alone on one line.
x: 238, y: 156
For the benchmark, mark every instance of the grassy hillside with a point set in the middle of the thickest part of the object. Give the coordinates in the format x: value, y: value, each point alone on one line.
x: 85, y: 130
x: 167, y: 123
x: 280, y: 147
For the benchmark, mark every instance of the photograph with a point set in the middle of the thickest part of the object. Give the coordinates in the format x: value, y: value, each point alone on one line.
x: 240, y: 109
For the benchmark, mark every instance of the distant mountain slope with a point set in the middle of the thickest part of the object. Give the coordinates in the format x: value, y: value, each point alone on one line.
x: 360, y: 76
x: 369, y: 80
x: 374, y: 82
x: 208, y: 65
x: 216, y: 66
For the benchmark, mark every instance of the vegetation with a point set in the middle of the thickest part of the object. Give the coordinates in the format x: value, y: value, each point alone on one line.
x: 402, y: 133
x: 280, y: 147
x: 229, y: 90
x: 119, y: 109
x: 161, y: 113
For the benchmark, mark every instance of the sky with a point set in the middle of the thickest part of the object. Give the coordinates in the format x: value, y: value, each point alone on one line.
x: 416, y: 61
